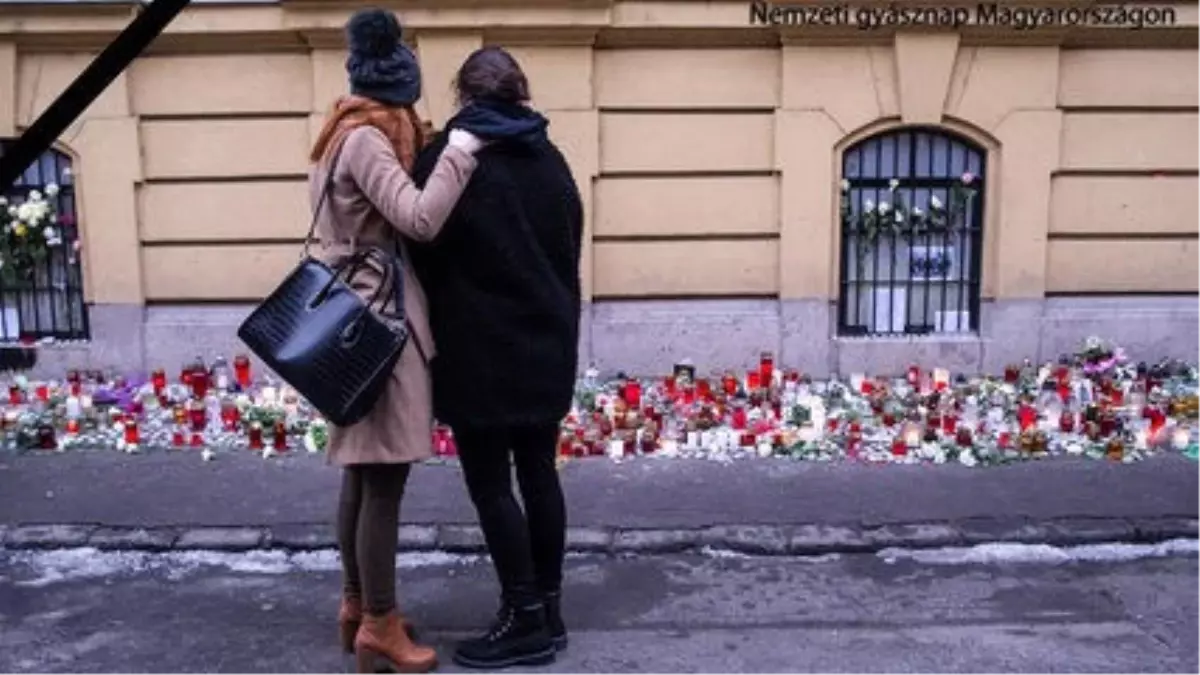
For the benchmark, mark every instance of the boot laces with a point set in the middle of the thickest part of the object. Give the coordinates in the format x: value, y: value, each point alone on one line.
x: 503, y: 624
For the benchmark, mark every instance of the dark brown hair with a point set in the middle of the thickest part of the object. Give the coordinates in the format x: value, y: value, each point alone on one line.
x: 491, y: 73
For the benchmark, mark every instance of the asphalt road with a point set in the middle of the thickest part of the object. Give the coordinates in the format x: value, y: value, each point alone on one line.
x: 73, y: 611
x: 178, y: 489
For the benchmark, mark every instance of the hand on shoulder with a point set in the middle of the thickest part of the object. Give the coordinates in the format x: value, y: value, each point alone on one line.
x: 465, y: 141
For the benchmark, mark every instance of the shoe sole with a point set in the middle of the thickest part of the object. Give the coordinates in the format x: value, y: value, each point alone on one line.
x: 542, y: 658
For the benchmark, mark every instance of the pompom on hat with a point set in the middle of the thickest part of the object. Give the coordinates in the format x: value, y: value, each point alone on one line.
x: 380, y: 66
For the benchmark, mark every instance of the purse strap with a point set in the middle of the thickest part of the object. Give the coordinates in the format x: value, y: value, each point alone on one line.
x: 325, y: 190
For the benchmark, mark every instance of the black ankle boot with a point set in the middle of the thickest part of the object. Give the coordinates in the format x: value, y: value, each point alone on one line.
x: 518, y: 637
x: 554, y: 622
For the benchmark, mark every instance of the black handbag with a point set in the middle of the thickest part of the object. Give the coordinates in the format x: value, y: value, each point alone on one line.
x: 322, y: 338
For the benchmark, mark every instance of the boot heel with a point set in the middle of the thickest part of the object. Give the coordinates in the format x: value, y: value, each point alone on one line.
x: 347, y: 631
x: 365, y: 659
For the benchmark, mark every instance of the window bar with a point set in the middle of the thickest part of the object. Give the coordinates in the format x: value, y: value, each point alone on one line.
x: 892, y: 248
x: 960, y: 241
x: 857, y: 238
x: 874, y: 285
x: 927, y: 283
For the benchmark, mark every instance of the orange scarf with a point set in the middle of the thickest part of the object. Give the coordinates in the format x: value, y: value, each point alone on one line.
x: 401, y: 125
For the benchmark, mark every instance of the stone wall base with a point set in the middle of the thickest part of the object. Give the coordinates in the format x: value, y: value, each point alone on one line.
x: 649, y: 337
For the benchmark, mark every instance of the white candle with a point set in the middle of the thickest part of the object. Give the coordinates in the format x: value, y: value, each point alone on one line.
x: 668, y: 447
x: 693, y: 440
x: 1139, y: 439
x: 74, y: 408
x: 912, y: 436
x: 1181, y: 438
x: 616, y: 448
x: 856, y: 381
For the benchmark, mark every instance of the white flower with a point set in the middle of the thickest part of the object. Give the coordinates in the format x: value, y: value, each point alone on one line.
x: 35, y: 196
x: 899, y: 217
x: 67, y: 173
x: 893, y: 184
x: 967, y: 178
x: 917, y: 211
x: 12, y: 211
x: 3, y: 201
x: 53, y: 238
x: 967, y: 458
x: 884, y: 207
x: 207, y: 455
x: 934, y: 202
x: 51, y: 189
x: 869, y: 206
x: 845, y: 185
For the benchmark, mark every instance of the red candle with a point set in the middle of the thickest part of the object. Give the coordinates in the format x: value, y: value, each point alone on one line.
x: 1004, y: 440
x: 704, y: 389
x: 230, y: 416
x: 739, y: 418
x: 256, y: 436
x: 1066, y: 423
x: 729, y: 384
x: 177, y: 438
x: 963, y: 437
x: 1108, y: 424
x: 633, y: 393
x: 280, y: 440
x: 14, y: 395
x: 899, y: 447
x: 197, y: 440
x: 950, y: 424
x: 746, y: 440
x: 46, y: 438
x: 766, y: 368
x: 131, y: 433
x: 889, y: 420
x: 1158, y: 420
x: 159, y: 380
x: 43, y: 393
x: 198, y: 416
x: 564, y: 445
x: 753, y: 381
x: 914, y: 375
x: 241, y: 370
x: 669, y: 386
x: 73, y: 427
x: 832, y: 424
x: 1064, y: 392
x: 581, y: 450
x: 1027, y: 416
x: 200, y: 382
x: 1012, y: 374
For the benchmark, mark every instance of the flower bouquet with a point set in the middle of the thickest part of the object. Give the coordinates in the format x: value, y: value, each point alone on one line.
x: 29, y: 229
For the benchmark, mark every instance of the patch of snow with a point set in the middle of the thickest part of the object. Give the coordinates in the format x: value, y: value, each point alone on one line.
x: 1044, y: 554
x: 711, y: 552
x: 42, y: 568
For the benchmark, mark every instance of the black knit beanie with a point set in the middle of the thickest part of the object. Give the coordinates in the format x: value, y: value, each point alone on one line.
x: 379, y: 65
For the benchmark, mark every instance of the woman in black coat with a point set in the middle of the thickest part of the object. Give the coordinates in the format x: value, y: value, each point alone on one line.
x: 504, y: 299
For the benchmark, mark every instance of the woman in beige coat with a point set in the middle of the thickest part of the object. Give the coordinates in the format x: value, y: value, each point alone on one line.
x: 369, y: 142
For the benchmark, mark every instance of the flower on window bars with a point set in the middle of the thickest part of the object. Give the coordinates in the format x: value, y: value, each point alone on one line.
x: 967, y: 178
x: 53, y: 236
x: 52, y: 189
x: 868, y: 206
x: 935, y: 203
x: 917, y: 211
x: 884, y: 207
x: 845, y: 185
x: 893, y: 184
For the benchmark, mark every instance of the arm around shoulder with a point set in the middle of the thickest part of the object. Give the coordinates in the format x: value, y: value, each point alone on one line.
x: 416, y: 213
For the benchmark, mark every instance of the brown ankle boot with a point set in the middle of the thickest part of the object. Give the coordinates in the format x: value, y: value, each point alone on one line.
x: 350, y: 616
x: 383, y: 638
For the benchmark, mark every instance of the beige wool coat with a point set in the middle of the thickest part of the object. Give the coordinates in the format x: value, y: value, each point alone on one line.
x: 371, y: 201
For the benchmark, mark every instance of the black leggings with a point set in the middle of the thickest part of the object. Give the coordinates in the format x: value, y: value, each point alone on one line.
x: 526, y: 548
x: 368, y: 529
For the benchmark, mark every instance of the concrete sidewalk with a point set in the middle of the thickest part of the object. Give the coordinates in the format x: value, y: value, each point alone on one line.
x: 173, y: 500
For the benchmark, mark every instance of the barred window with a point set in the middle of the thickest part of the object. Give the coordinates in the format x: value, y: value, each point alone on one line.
x: 912, y: 233
x: 49, y: 303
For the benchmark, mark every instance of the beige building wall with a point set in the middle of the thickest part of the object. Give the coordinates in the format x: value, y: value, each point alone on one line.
x: 707, y: 152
